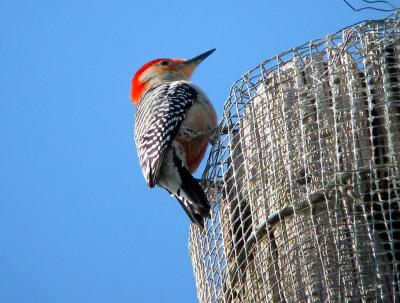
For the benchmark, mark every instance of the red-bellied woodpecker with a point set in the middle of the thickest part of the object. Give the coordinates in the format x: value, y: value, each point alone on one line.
x: 174, y: 124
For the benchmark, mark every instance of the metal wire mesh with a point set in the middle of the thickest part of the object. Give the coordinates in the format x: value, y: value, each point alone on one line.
x: 305, y: 178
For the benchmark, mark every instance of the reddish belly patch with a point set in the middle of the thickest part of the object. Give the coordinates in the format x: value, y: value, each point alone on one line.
x: 196, y: 154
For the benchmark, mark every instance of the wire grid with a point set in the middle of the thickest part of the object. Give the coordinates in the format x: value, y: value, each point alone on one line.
x: 304, y: 177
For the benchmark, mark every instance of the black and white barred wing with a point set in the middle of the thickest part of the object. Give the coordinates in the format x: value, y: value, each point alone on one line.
x: 160, y: 114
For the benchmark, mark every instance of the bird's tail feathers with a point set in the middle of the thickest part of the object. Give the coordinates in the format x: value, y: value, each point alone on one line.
x: 192, y: 198
x: 194, y: 217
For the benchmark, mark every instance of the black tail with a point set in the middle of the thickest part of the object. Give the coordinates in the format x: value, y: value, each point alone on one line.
x: 194, y: 217
x: 191, y: 196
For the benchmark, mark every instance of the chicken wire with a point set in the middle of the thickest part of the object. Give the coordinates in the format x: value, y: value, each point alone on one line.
x: 304, y: 178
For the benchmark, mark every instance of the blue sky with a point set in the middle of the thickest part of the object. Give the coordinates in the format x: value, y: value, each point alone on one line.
x: 77, y: 222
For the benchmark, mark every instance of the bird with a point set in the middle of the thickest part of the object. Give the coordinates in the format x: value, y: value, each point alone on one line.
x: 174, y: 123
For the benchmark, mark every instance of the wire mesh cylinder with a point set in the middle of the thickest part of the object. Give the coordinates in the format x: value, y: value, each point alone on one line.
x: 305, y: 178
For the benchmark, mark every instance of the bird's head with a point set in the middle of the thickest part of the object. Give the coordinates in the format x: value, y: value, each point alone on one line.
x: 163, y: 70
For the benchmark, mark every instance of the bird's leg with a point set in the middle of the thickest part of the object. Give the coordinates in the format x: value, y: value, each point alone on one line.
x: 223, y: 130
x: 191, y: 134
x: 214, y: 135
x: 188, y: 133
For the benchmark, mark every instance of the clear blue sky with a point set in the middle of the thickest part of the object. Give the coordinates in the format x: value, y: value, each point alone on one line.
x: 77, y: 222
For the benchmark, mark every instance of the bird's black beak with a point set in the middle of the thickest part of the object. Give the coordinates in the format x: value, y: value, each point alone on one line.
x: 198, y: 59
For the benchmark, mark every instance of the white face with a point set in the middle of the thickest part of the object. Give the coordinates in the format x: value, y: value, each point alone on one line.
x: 166, y: 70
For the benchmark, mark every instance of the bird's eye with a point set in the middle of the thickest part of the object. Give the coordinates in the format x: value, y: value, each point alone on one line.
x: 165, y: 63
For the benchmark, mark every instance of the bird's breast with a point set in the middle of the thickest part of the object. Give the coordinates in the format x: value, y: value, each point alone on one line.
x: 200, y: 118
